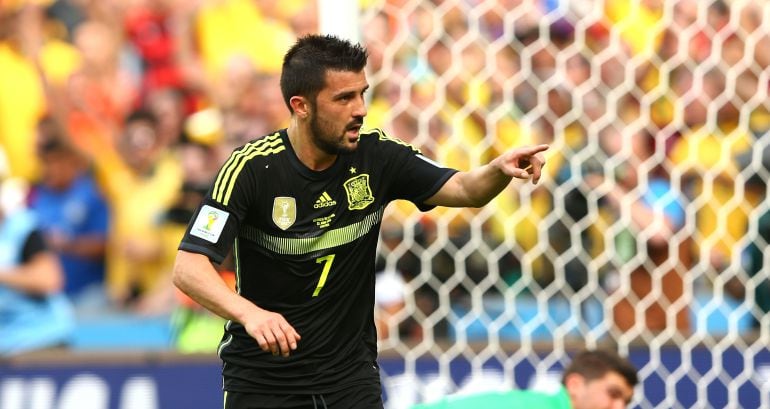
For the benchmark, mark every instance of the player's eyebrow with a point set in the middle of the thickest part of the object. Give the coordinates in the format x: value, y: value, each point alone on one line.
x: 617, y: 393
x: 346, y: 94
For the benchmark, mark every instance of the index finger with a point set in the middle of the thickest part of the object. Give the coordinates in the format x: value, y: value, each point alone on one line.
x: 532, y: 150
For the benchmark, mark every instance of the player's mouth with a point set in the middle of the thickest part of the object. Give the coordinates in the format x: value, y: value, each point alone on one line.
x: 353, y: 131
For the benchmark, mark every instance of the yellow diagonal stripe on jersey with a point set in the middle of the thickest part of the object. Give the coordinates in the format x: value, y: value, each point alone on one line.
x: 327, y: 197
x: 306, y: 245
x: 232, y: 162
x: 237, y: 157
x: 384, y: 137
x: 259, y: 152
x: 266, y: 145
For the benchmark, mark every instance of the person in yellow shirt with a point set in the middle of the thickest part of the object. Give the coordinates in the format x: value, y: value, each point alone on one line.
x: 30, y: 59
x: 22, y: 100
x: 142, y: 180
x: 228, y: 28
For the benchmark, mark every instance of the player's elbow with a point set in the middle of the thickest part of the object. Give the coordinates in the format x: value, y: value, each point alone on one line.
x: 177, y: 277
x: 477, y: 202
x: 180, y: 274
x: 473, y: 195
x: 471, y: 198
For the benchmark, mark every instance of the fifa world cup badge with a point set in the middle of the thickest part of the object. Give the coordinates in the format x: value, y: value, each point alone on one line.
x: 284, y: 212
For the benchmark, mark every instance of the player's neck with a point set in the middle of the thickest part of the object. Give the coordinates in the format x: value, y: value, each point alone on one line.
x: 301, y: 139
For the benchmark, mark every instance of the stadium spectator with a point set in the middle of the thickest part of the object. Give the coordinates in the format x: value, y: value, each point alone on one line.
x: 256, y: 108
x: 196, y: 330
x: 73, y: 217
x: 158, y: 30
x: 596, y: 379
x: 233, y: 30
x: 648, y: 275
x: 23, y: 99
x: 141, y: 181
x: 168, y: 106
x: 34, y: 313
x: 100, y: 93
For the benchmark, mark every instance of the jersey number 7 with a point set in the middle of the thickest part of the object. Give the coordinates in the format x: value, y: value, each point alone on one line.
x: 327, y: 262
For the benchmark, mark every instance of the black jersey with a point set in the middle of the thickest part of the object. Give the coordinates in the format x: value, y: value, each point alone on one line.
x: 304, y: 245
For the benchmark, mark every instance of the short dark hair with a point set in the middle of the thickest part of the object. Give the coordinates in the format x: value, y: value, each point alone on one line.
x: 49, y: 128
x: 141, y: 115
x: 306, y: 63
x: 56, y: 146
x: 594, y: 364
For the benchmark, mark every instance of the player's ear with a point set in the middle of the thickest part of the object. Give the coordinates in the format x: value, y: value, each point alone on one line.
x: 573, y: 383
x: 300, y: 106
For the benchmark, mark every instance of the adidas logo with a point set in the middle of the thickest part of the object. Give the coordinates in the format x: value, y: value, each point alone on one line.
x: 324, y: 201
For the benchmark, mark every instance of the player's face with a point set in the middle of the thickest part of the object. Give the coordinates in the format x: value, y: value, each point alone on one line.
x: 608, y: 392
x: 338, y: 112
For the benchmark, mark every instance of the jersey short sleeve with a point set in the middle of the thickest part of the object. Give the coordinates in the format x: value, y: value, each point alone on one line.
x: 33, y: 245
x: 215, y: 224
x: 416, y: 177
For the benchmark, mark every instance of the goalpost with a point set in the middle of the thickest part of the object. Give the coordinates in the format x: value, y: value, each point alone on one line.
x: 647, y: 232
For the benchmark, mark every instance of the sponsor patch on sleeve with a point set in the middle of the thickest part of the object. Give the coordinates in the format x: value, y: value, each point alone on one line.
x: 209, y: 223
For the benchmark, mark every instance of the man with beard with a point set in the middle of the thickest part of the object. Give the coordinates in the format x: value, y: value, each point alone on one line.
x: 301, y: 210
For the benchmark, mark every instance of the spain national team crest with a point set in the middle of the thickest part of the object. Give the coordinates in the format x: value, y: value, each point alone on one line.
x: 284, y: 212
x: 359, y: 192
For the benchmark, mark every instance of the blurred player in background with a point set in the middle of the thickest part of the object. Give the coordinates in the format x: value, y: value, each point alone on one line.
x: 303, y: 207
x: 598, y: 379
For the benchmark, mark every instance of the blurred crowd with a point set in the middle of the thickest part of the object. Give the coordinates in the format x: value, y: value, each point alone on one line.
x: 657, y: 116
x: 116, y: 114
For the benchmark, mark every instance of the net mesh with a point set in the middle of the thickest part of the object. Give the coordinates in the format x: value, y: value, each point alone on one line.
x: 648, y: 230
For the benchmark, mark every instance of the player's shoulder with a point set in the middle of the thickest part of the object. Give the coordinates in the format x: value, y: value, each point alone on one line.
x: 259, y: 148
x: 378, y: 137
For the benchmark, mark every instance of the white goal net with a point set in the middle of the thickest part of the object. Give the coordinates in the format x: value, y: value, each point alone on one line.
x: 647, y: 232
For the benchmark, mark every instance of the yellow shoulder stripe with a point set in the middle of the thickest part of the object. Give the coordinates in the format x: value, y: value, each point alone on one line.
x: 231, y: 184
x: 384, y: 137
x: 229, y: 171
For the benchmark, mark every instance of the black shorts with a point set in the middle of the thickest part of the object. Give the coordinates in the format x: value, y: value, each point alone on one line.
x: 368, y: 396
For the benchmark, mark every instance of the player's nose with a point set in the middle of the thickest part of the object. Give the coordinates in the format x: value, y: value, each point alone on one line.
x: 359, y: 110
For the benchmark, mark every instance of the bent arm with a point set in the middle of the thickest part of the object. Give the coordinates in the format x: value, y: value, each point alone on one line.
x: 195, y: 275
x: 40, y: 275
x: 475, y: 188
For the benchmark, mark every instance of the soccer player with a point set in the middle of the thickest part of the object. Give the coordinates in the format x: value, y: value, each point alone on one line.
x: 301, y: 210
x: 597, y: 379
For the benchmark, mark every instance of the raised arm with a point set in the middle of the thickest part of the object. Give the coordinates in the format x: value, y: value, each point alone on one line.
x: 195, y: 276
x: 477, y: 187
